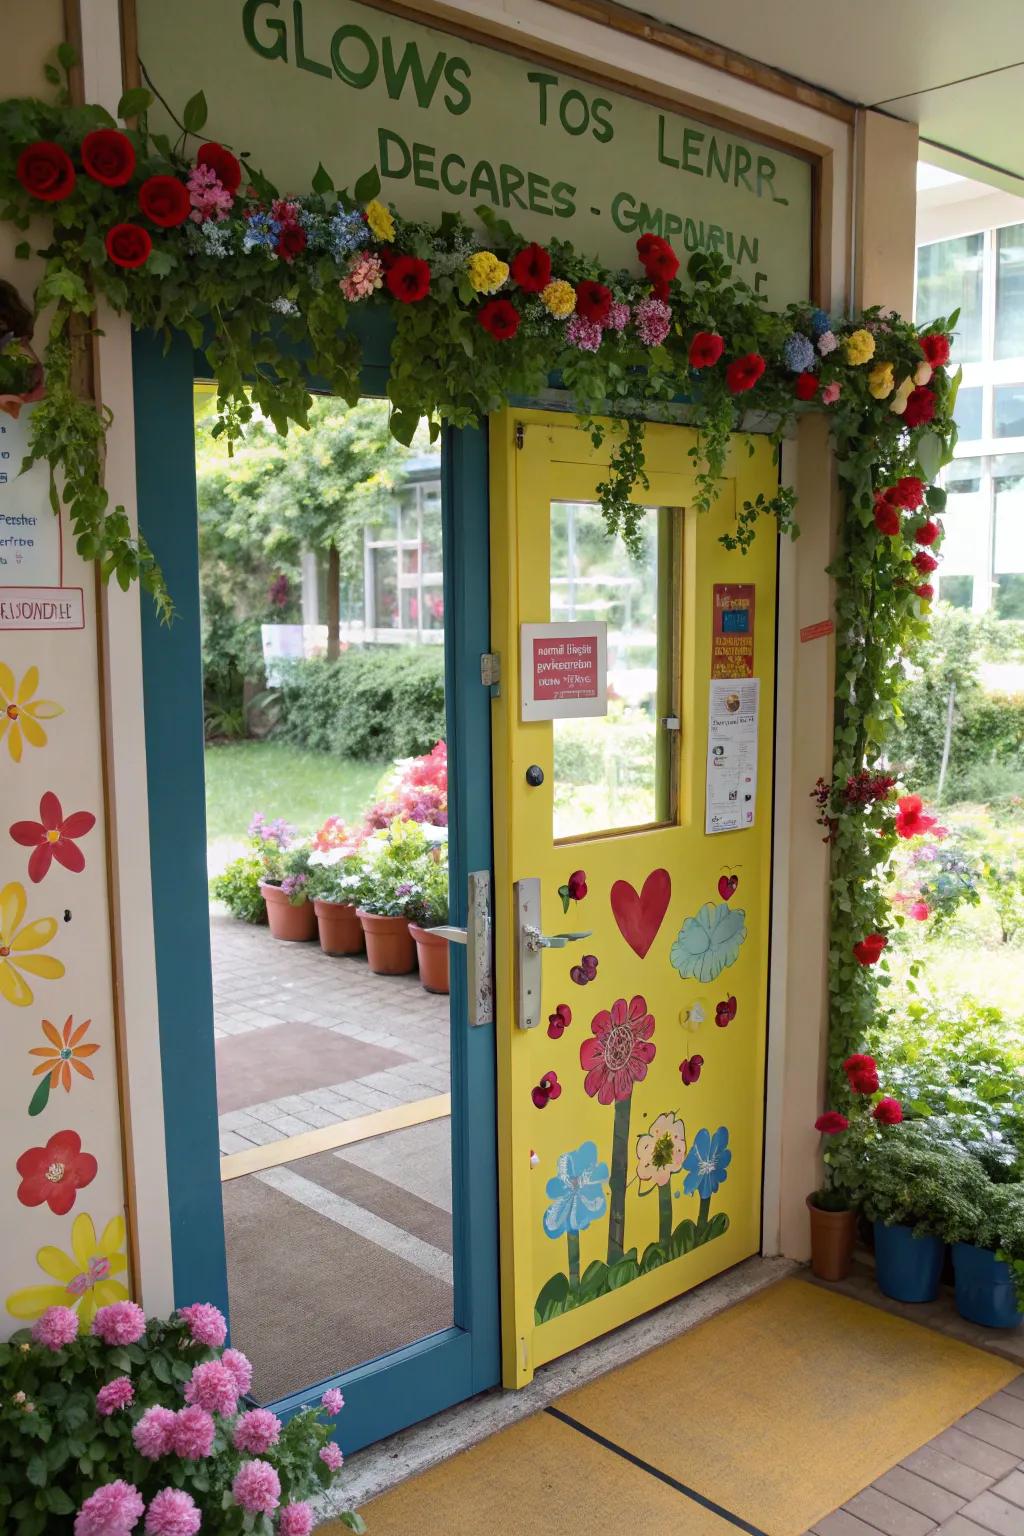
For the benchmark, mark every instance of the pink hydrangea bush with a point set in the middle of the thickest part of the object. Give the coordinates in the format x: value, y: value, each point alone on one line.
x: 149, y: 1427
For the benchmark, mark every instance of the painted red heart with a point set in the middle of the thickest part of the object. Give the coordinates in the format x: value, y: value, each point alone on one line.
x: 727, y: 886
x: 640, y: 917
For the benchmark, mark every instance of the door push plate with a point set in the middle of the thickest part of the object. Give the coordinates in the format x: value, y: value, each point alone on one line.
x: 529, y: 960
x: 478, y: 940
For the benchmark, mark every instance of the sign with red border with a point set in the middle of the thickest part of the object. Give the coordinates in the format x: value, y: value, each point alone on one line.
x: 732, y: 629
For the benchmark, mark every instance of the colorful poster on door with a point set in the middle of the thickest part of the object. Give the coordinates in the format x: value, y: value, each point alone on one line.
x: 732, y: 630
x: 731, y: 794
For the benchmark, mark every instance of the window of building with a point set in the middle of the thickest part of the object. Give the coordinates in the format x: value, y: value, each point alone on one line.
x: 967, y: 413
x: 949, y: 277
x: 1009, y: 338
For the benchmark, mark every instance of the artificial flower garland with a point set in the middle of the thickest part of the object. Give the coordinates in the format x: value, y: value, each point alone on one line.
x: 205, y: 244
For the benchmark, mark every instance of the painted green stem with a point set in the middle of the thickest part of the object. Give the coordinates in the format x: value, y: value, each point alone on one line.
x: 573, y: 1239
x: 665, y: 1212
x: 620, y: 1159
x: 702, y: 1215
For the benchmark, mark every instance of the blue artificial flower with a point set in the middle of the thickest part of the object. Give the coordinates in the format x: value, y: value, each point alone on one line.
x: 820, y: 323
x: 709, y: 941
x: 261, y: 233
x: 347, y: 232
x: 706, y: 1163
x: 317, y: 230
x: 799, y: 353
x: 576, y: 1192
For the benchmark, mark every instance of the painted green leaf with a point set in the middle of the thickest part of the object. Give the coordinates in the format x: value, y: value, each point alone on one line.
x: 623, y: 1272
x: 41, y: 1097
x: 594, y: 1280
x: 654, y: 1257
x: 368, y: 186
x: 709, y: 941
x: 551, y: 1298
x: 683, y: 1239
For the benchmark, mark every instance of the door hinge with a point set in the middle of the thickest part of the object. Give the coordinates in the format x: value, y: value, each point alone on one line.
x: 490, y: 670
x: 520, y: 434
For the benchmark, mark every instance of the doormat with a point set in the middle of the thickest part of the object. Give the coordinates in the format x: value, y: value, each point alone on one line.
x: 763, y: 1419
x: 266, y: 1064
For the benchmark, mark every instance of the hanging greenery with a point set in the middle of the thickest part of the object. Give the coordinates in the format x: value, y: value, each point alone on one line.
x: 202, y: 243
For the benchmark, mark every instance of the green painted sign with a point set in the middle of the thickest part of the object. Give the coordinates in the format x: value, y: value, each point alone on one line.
x: 454, y: 124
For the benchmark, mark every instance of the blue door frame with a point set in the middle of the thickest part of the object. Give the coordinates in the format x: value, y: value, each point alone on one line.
x: 444, y: 1368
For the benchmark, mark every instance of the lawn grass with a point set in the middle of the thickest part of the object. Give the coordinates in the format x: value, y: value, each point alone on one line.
x: 279, y: 780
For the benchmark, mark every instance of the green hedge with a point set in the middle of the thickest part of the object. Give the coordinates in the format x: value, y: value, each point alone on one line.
x: 370, y: 704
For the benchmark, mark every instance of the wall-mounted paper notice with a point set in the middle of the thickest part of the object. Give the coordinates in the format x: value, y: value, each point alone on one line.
x: 731, y: 793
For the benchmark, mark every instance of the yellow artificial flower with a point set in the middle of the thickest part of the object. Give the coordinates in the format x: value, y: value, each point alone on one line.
x: 20, y: 713
x: 379, y: 218
x: 15, y: 940
x: 85, y: 1276
x: 486, y: 273
x: 898, y: 403
x: 859, y: 348
x: 559, y: 298
x: 881, y: 381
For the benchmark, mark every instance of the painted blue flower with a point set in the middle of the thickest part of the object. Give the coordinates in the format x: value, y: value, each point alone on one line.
x: 708, y: 942
x: 799, y: 353
x: 706, y: 1163
x: 820, y: 323
x: 576, y: 1192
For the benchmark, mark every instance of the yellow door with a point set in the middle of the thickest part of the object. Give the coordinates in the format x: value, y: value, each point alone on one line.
x: 631, y: 1053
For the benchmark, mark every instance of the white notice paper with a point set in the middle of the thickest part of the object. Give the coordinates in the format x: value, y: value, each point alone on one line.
x: 732, y: 754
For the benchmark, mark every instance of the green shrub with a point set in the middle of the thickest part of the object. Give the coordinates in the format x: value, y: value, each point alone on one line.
x: 369, y: 704
x: 232, y: 656
x: 239, y: 888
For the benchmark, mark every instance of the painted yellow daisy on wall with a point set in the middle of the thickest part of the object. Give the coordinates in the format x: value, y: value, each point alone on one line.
x: 20, y: 712
x: 85, y: 1279
x: 17, y: 940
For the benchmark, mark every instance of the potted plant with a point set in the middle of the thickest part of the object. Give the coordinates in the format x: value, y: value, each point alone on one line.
x: 988, y: 1262
x: 337, y: 886
x: 432, y: 948
x: 286, y: 892
x: 392, y: 894
x: 833, y: 1216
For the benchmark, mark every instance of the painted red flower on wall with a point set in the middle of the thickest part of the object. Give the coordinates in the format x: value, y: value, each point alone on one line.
x: 53, y: 1175
x: 53, y: 837
x: 620, y: 1051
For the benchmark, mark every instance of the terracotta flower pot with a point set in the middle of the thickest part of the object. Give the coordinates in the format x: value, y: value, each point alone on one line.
x: 389, y: 946
x: 432, y: 953
x: 341, y: 932
x: 832, y: 1239
x: 297, y: 924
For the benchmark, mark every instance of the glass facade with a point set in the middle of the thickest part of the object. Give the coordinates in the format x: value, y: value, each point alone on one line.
x: 403, y: 571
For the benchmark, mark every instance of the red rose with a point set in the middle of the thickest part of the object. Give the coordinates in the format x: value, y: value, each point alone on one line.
x: 743, y: 373
x: 291, y: 242
x: 925, y: 563
x: 888, y: 1112
x: 831, y: 1123
x: 408, y: 279
x: 658, y: 258
x: 927, y: 533
x: 128, y: 245
x: 659, y: 288
x: 45, y: 171
x: 164, y: 200
x: 859, y: 1063
x: 531, y: 268
x: 108, y: 156
x: 935, y: 347
x: 593, y: 301
x: 868, y: 951
x: 223, y: 165
x: 500, y: 317
x: 863, y: 1082
x: 908, y: 492
x: 887, y: 517
x: 925, y: 591
x: 920, y: 407
x: 705, y: 349
x: 806, y: 386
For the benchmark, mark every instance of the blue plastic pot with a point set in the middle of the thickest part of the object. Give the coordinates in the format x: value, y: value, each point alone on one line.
x: 907, y: 1268
x: 985, y: 1292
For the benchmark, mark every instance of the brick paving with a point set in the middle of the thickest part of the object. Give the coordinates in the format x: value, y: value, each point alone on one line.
x: 258, y: 982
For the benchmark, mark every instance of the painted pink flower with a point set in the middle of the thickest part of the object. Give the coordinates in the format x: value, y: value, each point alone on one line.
x: 212, y: 1386
x: 122, y: 1322
x: 331, y: 1456
x: 53, y: 837
x: 113, y: 1510
x: 114, y: 1395
x: 830, y: 394
x: 332, y: 1401
x: 620, y: 1051
x: 256, y: 1431
x: 192, y: 1435
x: 364, y: 276
x: 257, y: 1487
x: 295, y: 1520
x: 240, y: 1367
x: 206, y: 1323
x: 153, y: 1435
x: 173, y: 1512
x: 57, y: 1326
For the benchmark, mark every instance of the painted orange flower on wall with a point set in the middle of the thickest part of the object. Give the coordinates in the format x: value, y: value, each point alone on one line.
x: 20, y: 712
x: 17, y: 940
x: 85, y: 1279
x: 67, y: 1049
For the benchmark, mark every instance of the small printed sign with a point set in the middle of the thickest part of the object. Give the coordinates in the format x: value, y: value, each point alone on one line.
x: 41, y: 607
x: 564, y: 670
x: 817, y: 631
x: 731, y: 779
x: 732, y: 630
x: 31, y: 556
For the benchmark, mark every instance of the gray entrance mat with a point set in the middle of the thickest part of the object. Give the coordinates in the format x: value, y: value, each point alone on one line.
x: 282, y: 1059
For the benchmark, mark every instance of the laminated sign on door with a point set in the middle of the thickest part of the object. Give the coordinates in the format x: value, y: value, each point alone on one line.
x: 564, y: 670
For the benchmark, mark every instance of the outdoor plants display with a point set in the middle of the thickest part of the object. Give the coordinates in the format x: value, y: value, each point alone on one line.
x: 142, y: 1425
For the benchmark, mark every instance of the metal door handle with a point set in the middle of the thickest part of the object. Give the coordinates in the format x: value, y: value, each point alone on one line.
x: 535, y: 940
x: 479, y: 947
x: 530, y: 944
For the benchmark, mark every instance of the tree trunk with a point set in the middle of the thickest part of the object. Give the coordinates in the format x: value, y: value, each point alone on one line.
x: 333, y: 603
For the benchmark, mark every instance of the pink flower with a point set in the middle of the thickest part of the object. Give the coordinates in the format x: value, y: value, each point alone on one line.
x: 830, y: 394
x: 209, y: 198
x: 192, y: 1435
x: 653, y: 319
x: 364, y: 276
x: 173, y: 1512
x: 619, y: 1051
x: 57, y: 1326
x: 618, y: 317
x: 333, y: 1401
x: 113, y: 1510
x: 122, y: 1322
x: 920, y: 911
x: 240, y: 1368
x: 257, y: 1487
x: 584, y: 334
x: 114, y: 1395
x: 206, y: 1323
x: 295, y: 1520
x: 153, y: 1435
x: 256, y: 1431
x: 212, y: 1386
x: 331, y: 1456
